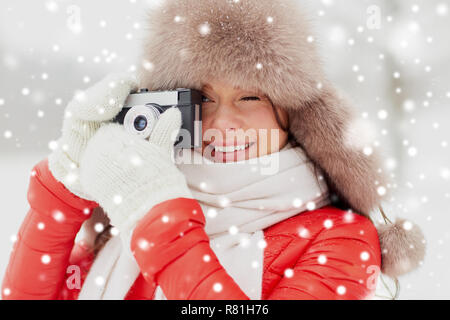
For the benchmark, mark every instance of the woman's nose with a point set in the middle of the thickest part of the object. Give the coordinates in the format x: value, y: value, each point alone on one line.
x: 226, y: 118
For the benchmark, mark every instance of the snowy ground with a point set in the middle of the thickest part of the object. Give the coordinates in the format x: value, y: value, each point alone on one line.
x: 397, y: 75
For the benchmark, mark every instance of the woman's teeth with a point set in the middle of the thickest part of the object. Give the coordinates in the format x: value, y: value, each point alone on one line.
x: 231, y: 148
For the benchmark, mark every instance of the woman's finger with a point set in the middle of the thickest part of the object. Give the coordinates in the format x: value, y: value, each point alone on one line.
x: 166, y: 129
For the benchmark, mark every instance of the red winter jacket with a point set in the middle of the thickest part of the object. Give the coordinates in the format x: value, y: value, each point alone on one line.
x: 333, y: 254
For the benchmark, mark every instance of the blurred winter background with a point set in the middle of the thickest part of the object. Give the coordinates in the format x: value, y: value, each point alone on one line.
x: 390, y: 57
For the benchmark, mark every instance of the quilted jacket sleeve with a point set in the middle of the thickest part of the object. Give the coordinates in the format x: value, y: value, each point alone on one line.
x: 40, y: 256
x: 195, y: 272
x: 339, y: 258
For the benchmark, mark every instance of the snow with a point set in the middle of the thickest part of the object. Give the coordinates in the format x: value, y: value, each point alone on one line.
x: 217, y: 287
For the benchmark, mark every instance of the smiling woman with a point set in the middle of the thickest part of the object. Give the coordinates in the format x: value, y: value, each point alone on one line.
x: 239, y: 124
x: 214, y: 230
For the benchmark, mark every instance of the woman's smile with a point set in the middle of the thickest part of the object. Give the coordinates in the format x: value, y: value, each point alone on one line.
x: 231, y: 152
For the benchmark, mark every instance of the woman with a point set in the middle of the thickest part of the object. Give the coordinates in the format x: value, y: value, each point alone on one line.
x: 224, y: 228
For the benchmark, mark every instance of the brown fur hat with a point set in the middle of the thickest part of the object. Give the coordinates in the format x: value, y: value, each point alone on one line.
x: 266, y: 45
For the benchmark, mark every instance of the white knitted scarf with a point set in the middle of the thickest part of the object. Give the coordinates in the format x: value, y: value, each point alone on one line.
x: 239, y: 200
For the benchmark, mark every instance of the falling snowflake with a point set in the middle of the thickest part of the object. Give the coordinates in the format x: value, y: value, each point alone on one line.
x: 381, y: 191
x: 71, y: 178
x: 25, y: 91
x: 114, y: 231
x: 341, y: 290
x: 383, y: 114
x: 178, y: 19
x: 117, y: 199
x: 212, y: 213
x: 143, y: 244
x: 6, y: 291
x: 412, y: 151
x: 13, y: 238
x: 311, y: 205
x: 148, y: 65
x: 288, y: 273
x: 262, y: 244
x: 204, y: 29
x: 136, y: 160
x: 303, y: 232
x: 328, y: 223
x: 407, y: 225
x: 368, y: 151
x: 233, y: 230
x: 58, y: 216
x: 349, y: 216
x: 244, y: 242
x: 364, y: 256
x: 322, y: 259
x: 45, y: 259
x: 224, y: 202
x: 51, y: 6
x: 217, y: 287
x: 442, y: 9
x: 99, y: 227
x: 99, y: 281
x: 297, y: 203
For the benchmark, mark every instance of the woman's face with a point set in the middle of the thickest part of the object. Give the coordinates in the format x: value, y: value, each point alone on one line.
x: 239, y: 125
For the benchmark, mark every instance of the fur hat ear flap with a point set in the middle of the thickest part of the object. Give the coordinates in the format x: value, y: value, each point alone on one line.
x: 402, y: 247
x: 327, y: 129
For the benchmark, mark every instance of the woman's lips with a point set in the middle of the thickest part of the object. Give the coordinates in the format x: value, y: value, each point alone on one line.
x: 229, y: 153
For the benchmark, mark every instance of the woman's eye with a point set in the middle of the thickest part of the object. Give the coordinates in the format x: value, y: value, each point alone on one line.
x: 205, y: 99
x: 250, y: 98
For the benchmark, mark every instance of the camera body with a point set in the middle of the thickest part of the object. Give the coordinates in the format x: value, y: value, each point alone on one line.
x: 143, y: 108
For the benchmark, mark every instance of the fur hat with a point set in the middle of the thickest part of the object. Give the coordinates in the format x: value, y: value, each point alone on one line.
x: 266, y: 45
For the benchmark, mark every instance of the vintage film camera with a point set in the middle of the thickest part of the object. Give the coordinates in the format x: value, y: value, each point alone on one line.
x: 143, y: 108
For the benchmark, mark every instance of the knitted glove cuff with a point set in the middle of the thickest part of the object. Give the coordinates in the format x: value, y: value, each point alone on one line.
x: 136, y: 205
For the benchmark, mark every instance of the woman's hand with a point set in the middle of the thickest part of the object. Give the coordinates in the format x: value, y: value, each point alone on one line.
x: 147, y: 199
x: 83, y: 117
x: 128, y: 175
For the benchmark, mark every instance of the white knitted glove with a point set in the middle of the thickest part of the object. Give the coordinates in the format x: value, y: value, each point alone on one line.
x: 83, y: 116
x: 128, y: 175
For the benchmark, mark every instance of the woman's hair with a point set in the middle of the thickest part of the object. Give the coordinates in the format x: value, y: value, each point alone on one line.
x: 102, y: 238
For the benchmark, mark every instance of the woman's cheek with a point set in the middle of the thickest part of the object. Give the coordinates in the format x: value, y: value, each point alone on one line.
x: 267, y: 141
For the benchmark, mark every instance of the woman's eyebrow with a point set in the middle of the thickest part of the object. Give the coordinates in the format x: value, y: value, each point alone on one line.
x: 207, y: 89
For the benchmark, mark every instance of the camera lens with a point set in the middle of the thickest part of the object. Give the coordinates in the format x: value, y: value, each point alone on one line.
x: 141, y: 119
x: 140, y: 123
